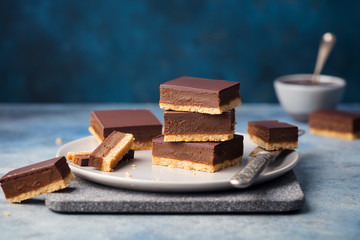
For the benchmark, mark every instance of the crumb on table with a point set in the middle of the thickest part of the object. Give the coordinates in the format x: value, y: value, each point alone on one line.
x: 127, y: 174
x: 6, y: 214
x: 133, y: 166
x: 58, y: 140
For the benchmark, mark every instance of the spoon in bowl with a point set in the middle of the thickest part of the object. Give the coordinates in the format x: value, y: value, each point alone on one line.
x: 326, y: 45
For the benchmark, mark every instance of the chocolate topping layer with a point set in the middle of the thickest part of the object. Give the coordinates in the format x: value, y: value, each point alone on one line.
x: 203, y: 152
x: 199, y: 92
x: 34, y: 176
x: 273, y: 131
x: 335, y: 120
x: 188, y: 122
x: 141, y: 123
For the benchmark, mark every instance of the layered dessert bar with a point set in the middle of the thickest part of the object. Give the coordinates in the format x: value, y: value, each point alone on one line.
x: 108, y: 154
x: 335, y: 123
x: 82, y: 158
x: 142, y: 124
x: 200, y: 156
x: 190, y: 94
x: 273, y: 135
x: 198, y: 127
x: 39, y: 178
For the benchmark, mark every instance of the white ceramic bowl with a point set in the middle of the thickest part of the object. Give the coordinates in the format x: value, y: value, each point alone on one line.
x: 299, y: 100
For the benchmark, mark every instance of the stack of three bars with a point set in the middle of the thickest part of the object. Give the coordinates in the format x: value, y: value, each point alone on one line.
x: 198, y: 125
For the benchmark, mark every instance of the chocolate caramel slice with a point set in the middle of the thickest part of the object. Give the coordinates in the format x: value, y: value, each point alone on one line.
x: 335, y: 123
x: 142, y: 124
x: 200, y: 156
x: 108, y: 154
x: 36, y: 179
x: 191, y: 94
x: 273, y: 135
x: 198, y: 127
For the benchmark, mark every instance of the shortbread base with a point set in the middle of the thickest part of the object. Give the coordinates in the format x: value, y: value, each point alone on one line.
x: 334, y: 134
x: 273, y: 146
x: 189, y: 165
x: 189, y: 108
x: 52, y: 187
x: 198, y: 137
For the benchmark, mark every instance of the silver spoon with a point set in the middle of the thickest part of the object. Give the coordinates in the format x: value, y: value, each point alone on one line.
x: 326, y: 45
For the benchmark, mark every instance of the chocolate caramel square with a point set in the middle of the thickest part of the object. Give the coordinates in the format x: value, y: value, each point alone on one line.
x: 141, y: 123
x: 191, y: 94
x: 200, y: 156
x: 198, y: 127
x: 36, y: 179
x: 335, y: 123
x: 273, y: 135
x: 108, y: 154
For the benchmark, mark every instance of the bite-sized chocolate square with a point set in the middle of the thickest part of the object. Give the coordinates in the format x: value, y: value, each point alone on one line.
x: 198, y: 127
x: 335, y: 123
x: 200, y: 156
x: 141, y: 123
x: 108, y: 154
x: 191, y: 94
x: 273, y: 135
x: 39, y: 178
x: 79, y: 158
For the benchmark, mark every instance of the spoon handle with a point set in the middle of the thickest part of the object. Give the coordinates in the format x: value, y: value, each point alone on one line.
x: 326, y: 45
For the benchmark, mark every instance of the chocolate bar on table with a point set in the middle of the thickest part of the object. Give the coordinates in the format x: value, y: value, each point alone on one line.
x: 191, y: 94
x: 335, y: 123
x: 108, y: 154
x: 198, y: 127
x: 142, y: 124
x: 201, y: 156
x: 273, y: 135
x: 39, y: 178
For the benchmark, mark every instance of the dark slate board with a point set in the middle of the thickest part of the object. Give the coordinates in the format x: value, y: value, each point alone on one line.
x: 279, y: 195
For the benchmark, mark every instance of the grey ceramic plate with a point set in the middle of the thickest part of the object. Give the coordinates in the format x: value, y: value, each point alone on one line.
x: 148, y: 177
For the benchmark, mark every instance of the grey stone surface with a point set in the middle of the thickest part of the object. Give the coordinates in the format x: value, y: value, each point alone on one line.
x: 280, y: 195
x: 328, y: 173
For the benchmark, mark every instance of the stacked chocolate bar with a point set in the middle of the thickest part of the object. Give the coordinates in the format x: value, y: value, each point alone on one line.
x: 199, y: 125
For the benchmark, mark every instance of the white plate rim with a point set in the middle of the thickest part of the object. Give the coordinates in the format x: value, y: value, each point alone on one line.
x: 106, y: 178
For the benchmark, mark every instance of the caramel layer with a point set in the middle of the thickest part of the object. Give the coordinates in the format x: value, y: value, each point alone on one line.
x: 210, y: 153
x: 191, y: 126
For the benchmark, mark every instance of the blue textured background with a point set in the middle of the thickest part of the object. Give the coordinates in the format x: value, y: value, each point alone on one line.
x: 120, y: 51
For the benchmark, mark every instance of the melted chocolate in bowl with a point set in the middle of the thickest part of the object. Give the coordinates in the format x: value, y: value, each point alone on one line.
x: 307, y: 82
x: 299, y: 96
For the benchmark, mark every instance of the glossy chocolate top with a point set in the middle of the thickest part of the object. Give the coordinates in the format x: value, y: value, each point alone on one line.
x: 199, y: 84
x: 126, y: 118
x: 59, y: 162
x: 270, y: 124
